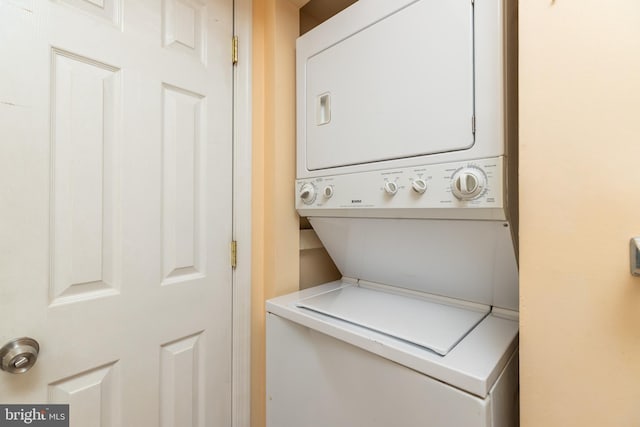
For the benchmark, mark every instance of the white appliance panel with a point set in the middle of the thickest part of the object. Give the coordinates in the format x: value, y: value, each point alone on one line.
x: 363, y: 194
x: 352, y: 387
x: 314, y: 380
x: 466, y: 260
x: 433, y: 325
x: 489, y: 79
x: 371, y: 97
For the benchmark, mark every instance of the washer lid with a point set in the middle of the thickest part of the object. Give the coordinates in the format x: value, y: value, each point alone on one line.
x: 433, y: 325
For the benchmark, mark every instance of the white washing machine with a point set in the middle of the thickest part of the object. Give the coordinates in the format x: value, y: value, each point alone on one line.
x: 406, y: 171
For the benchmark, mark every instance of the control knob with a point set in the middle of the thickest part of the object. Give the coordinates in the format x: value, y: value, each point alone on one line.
x: 419, y: 185
x: 308, y: 193
x: 391, y: 188
x: 328, y: 191
x: 468, y: 183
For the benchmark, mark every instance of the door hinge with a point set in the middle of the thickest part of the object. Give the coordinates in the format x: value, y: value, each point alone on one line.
x: 234, y: 254
x: 234, y: 50
x: 473, y: 124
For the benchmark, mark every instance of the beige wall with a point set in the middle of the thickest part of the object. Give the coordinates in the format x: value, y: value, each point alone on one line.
x: 579, y: 205
x: 316, y: 266
x: 275, y: 221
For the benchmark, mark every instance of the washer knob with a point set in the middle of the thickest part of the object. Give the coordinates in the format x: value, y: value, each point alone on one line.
x: 391, y: 188
x: 468, y: 183
x: 328, y: 191
x: 308, y: 193
x: 419, y: 185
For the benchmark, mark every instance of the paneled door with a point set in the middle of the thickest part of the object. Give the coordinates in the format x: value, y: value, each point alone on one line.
x: 116, y: 209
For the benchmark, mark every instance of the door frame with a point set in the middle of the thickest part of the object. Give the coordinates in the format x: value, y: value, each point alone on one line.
x: 241, y: 278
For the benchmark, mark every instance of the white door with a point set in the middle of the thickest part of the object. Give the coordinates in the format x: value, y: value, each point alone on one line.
x: 115, y: 207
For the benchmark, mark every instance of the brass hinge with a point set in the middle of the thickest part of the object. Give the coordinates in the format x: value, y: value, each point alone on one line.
x: 234, y: 254
x: 234, y: 50
x: 473, y: 124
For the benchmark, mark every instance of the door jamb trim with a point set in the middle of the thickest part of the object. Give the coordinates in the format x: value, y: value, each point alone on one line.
x: 241, y: 276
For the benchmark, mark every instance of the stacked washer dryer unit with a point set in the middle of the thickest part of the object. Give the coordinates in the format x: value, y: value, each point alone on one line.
x: 406, y: 170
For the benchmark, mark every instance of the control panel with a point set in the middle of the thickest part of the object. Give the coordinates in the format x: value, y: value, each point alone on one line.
x: 464, y: 190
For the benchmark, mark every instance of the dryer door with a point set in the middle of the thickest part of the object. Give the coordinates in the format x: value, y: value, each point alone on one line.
x: 401, y: 87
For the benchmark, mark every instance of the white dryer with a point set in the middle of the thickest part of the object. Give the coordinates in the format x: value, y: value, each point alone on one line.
x: 406, y: 171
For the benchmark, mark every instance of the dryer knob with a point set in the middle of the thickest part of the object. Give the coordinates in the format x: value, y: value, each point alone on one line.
x: 468, y: 183
x: 391, y: 188
x: 419, y: 185
x: 308, y: 193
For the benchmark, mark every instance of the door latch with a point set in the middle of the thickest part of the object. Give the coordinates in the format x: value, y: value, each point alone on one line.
x: 634, y: 256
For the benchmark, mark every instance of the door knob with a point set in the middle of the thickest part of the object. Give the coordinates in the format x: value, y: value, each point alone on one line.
x: 19, y: 355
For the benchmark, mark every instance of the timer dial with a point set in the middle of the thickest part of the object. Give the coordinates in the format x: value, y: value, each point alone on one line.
x: 308, y: 193
x: 468, y: 183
